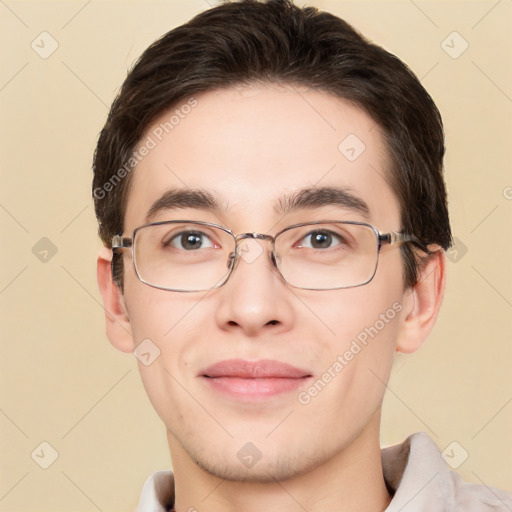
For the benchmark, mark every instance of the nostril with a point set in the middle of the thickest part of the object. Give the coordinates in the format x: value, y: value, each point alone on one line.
x: 273, y: 322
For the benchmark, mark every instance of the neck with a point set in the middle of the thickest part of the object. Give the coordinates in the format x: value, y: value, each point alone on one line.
x: 350, y: 480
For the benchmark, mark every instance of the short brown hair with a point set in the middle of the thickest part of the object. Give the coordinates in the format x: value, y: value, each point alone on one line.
x: 249, y: 41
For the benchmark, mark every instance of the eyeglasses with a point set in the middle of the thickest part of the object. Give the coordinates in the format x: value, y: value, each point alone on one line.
x: 190, y: 256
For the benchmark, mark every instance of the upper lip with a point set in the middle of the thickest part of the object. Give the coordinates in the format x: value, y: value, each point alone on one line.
x: 261, y: 369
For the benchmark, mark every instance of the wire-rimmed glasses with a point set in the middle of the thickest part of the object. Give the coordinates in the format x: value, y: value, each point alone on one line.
x: 190, y: 256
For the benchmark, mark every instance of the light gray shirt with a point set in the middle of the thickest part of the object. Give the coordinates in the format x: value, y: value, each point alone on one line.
x: 414, y: 471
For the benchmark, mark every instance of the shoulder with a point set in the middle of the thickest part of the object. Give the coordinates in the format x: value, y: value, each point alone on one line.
x: 421, y: 481
x: 469, y: 497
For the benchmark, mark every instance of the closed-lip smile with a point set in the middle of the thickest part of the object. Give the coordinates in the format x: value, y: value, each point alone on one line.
x: 253, y: 380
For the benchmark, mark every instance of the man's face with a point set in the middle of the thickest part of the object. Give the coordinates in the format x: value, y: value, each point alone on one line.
x: 251, y: 148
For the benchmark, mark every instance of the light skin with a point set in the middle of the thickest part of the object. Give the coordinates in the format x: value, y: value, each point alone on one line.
x: 249, y: 147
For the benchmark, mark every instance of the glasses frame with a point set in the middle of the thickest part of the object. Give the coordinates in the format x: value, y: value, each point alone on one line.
x: 120, y: 242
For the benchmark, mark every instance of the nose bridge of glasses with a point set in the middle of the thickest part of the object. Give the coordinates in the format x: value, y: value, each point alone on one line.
x: 248, y: 248
x: 257, y: 236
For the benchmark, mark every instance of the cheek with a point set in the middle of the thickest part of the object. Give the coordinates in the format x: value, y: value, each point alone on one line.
x: 364, y: 323
x: 164, y: 325
x: 359, y: 314
x: 363, y: 347
x: 159, y: 314
x: 355, y: 367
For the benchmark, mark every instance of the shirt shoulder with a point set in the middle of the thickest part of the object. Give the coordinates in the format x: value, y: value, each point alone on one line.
x: 421, y: 481
x: 479, y: 497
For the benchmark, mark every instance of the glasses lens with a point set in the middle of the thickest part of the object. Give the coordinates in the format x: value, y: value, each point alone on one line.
x: 328, y: 255
x: 183, y: 256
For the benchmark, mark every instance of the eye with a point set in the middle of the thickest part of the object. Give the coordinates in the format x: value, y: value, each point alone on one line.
x: 189, y: 241
x: 321, y: 239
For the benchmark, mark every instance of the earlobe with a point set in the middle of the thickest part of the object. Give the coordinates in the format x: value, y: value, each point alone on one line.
x: 422, y: 303
x: 118, y: 325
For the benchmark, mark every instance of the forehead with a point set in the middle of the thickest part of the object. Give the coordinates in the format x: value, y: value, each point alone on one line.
x: 253, y: 147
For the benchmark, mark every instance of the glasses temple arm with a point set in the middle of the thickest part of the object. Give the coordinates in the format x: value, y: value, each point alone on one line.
x: 120, y: 242
x: 396, y: 237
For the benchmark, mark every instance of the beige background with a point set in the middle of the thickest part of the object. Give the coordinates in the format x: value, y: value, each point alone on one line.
x: 62, y: 382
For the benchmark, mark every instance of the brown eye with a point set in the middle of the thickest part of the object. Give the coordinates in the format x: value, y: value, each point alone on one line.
x: 320, y: 240
x: 189, y: 241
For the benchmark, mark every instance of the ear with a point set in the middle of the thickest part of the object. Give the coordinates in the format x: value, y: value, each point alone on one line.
x: 422, y: 303
x: 118, y: 325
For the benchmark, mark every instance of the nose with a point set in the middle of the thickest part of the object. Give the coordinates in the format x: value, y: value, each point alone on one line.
x: 255, y: 300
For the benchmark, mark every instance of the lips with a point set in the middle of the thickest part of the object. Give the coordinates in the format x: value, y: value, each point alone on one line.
x: 248, y: 380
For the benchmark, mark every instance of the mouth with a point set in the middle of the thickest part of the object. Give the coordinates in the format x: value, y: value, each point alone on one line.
x: 253, y: 380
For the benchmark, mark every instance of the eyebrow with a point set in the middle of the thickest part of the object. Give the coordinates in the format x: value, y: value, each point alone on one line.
x: 174, y: 199
x: 310, y: 198
x: 305, y: 199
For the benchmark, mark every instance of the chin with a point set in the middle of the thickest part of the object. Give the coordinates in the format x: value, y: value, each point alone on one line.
x: 277, y: 467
